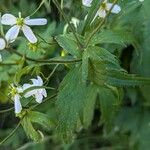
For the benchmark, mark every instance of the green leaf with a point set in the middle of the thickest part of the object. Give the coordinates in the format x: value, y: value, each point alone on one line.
x: 109, y: 104
x: 119, y: 37
x: 41, y: 119
x: 85, y: 67
x: 70, y: 102
x: 89, y: 105
x: 123, y: 79
x: 105, y: 69
x: 69, y: 43
x: 29, y: 129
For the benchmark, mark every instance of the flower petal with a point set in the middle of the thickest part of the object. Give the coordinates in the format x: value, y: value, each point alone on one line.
x: 35, y: 82
x: 36, y: 22
x: 17, y: 104
x: 101, y: 13
x: 116, y: 9
x: 1, y: 58
x: 12, y: 34
x: 87, y: 3
x: 29, y: 34
x: 30, y: 93
x: 38, y: 97
x: 26, y: 86
x: 19, y: 89
x: 40, y: 81
x: 2, y: 44
x: 8, y: 19
x: 44, y: 93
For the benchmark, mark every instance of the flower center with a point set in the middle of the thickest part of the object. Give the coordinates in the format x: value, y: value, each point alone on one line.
x: 20, y: 21
x: 33, y: 46
x: 13, y: 91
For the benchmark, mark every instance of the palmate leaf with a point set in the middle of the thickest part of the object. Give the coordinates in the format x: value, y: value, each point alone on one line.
x: 76, y: 103
x: 76, y: 100
x: 70, y: 103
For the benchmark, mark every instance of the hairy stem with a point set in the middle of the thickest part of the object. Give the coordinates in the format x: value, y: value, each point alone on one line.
x: 50, y: 61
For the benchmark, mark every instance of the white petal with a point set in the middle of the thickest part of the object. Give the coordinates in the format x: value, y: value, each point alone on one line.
x: 12, y: 34
x: 37, y: 22
x: 1, y: 58
x: 40, y: 81
x: 2, y: 44
x: 26, y: 86
x: 38, y: 97
x: 87, y: 3
x: 30, y: 93
x: 29, y: 34
x: 19, y: 89
x: 17, y: 104
x: 116, y: 9
x: 35, y: 82
x: 101, y: 13
x: 44, y: 93
x: 8, y: 19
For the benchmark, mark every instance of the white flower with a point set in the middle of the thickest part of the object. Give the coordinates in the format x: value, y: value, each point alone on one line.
x: 2, y: 43
x: 87, y: 3
x: 15, y: 93
x: 21, y: 24
x: 104, y: 7
x: 39, y: 93
x: 5, y: 41
x: 141, y: 0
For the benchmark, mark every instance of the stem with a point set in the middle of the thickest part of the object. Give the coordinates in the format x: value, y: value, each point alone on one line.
x: 6, y: 110
x: 37, y: 87
x: 70, y: 25
x: 40, y: 5
x: 50, y: 61
x: 5, y: 139
x: 8, y: 64
x: 51, y: 74
x: 100, y: 25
